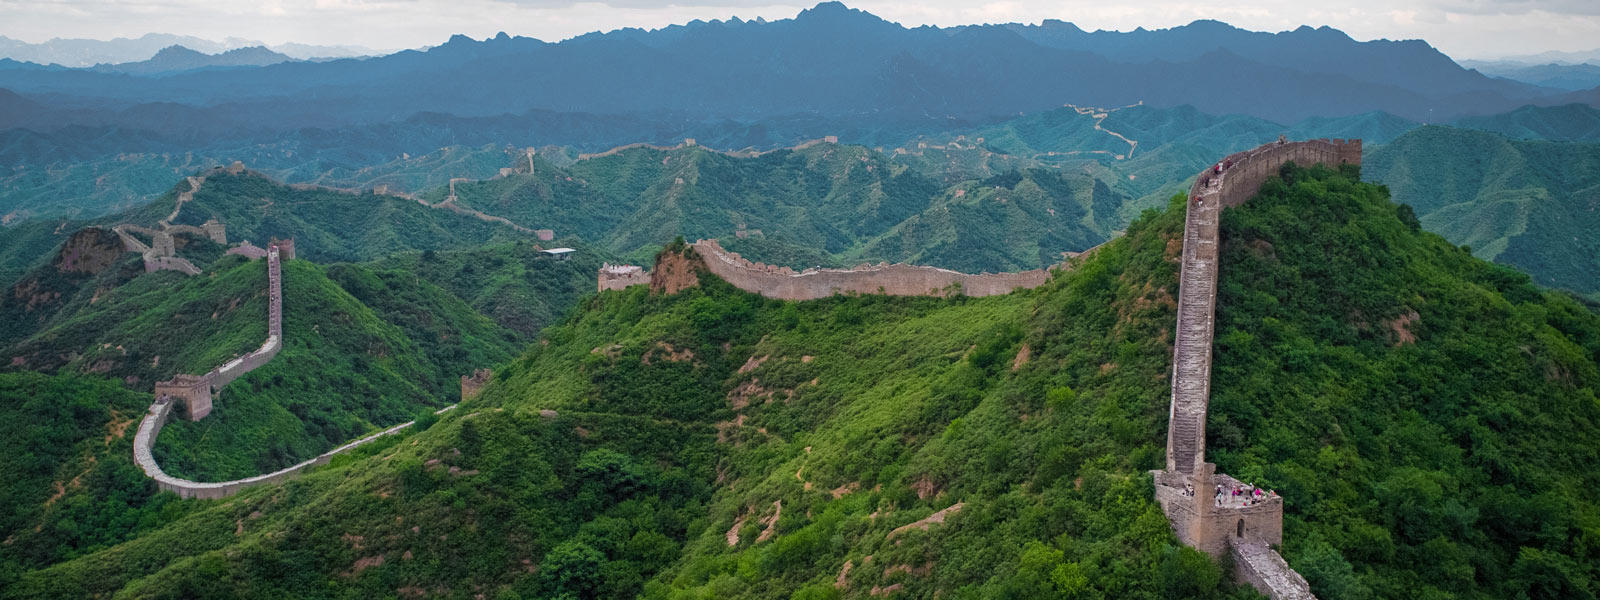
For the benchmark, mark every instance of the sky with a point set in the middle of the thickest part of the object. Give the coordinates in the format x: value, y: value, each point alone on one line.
x: 1463, y: 29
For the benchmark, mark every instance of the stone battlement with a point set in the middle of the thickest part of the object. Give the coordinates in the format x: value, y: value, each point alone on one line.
x: 1248, y: 532
x: 785, y: 283
x: 616, y: 277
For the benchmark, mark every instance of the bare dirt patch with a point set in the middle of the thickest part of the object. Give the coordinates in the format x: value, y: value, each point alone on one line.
x: 733, y: 532
x: 752, y: 364
x: 1022, y: 357
x: 928, y: 521
x: 1401, y: 326
x: 770, y: 524
x: 667, y: 353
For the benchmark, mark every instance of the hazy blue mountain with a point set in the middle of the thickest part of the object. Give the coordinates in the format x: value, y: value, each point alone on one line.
x: 1569, y: 123
x: 1571, y: 77
x: 174, y: 59
x: 86, y: 52
x: 830, y: 61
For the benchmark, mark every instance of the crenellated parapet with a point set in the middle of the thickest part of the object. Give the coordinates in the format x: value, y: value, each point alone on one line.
x: 785, y: 283
x: 616, y: 277
x: 1187, y: 488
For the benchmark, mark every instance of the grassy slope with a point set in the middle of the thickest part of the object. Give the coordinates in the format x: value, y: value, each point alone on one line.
x: 1529, y: 204
x: 347, y: 367
x: 365, y: 348
x: 1454, y: 465
x: 326, y: 226
x: 514, y: 284
x: 826, y: 204
x: 66, y: 454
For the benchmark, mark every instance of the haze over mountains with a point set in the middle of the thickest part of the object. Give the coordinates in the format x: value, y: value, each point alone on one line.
x: 830, y: 61
x: 87, y: 53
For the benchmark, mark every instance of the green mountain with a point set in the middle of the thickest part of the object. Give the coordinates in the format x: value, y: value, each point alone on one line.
x: 1568, y: 123
x: 1528, y: 204
x: 824, y: 203
x: 1430, y: 418
x: 516, y: 285
x: 363, y: 348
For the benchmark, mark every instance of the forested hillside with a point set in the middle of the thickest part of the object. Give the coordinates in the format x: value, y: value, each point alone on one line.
x: 364, y: 348
x: 1534, y: 205
x: 826, y: 199
x: 1430, y: 418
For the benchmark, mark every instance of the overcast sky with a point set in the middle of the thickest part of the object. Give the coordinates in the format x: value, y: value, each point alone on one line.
x: 1460, y: 28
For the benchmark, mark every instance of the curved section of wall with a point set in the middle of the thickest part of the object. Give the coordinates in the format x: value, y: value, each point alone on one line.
x: 150, y: 427
x: 895, y: 280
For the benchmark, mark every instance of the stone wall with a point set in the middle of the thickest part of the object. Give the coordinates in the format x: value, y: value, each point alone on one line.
x: 616, y: 277
x: 1248, y: 532
x: 1230, y: 182
x: 188, y: 388
x: 157, y: 417
x: 1258, y: 565
x: 194, y: 392
x: 895, y: 280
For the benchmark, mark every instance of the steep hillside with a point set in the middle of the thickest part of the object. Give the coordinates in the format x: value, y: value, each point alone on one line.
x: 66, y: 456
x: 1529, y: 204
x: 363, y: 348
x: 516, y: 285
x: 1430, y: 419
x: 326, y: 225
x: 1569, y: 123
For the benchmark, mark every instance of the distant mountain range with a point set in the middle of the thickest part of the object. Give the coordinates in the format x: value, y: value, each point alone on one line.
x: 1580, y: 76
x: 88, y: 53
x: 830, y: 63
x: 177, y: 59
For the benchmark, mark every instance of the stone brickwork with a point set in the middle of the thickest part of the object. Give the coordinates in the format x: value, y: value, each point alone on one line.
x: 895, y: 280
x: 1261, y: 567
x: 285, y: 247
x: 1228, y: 183
x: 193, y: 391
x: 616, y: 277
x: 1186, y: 488
x: 157, y: 417
x: 248, y: 250
x: 471, y: 385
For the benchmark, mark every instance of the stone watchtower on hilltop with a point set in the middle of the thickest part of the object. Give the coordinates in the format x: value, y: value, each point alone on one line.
x: 1209, y: 511
x: 193, y: 391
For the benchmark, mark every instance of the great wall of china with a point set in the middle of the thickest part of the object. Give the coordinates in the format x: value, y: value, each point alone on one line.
x: 1185, y: 489
x: 1249, y: 530
x: 195, y: 393
x: 895, y: 280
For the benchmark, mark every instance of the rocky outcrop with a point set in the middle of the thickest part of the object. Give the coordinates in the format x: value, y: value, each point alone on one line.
x: 90, y: 250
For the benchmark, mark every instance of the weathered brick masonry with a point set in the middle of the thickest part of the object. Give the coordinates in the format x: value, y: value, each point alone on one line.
x: 1248, y: 532
x: 895, y: 280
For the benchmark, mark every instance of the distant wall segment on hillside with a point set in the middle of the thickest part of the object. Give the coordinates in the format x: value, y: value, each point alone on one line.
x: 785, y: 283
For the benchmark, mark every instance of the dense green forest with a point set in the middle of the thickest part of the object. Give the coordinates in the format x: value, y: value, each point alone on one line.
x: 1528, y: 204
x: 1431, y: 419
x: 515, y: 284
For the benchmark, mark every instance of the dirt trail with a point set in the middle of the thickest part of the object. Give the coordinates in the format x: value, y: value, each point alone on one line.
x: 1100, y: 115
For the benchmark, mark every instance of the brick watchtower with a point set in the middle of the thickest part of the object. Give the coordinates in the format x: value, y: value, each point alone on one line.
x: 193, y: 391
